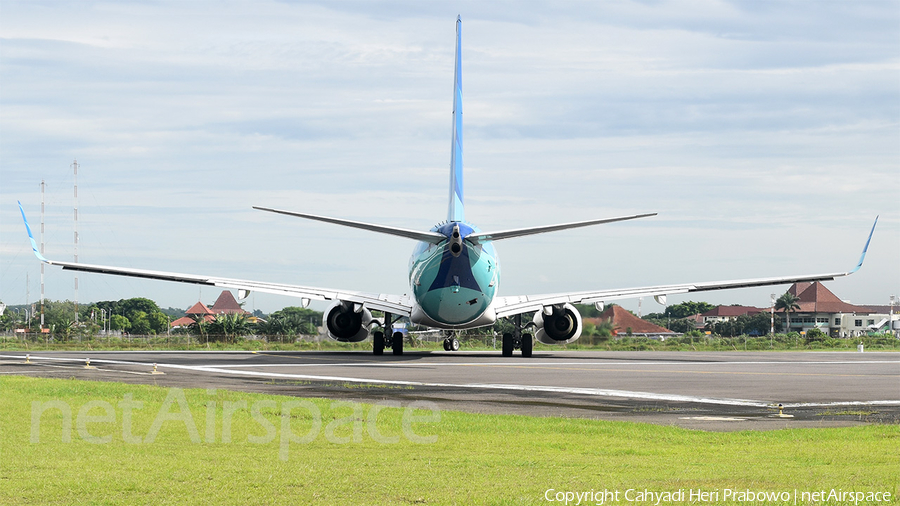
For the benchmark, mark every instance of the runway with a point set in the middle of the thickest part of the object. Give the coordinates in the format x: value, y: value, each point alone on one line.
x: 702, y: 390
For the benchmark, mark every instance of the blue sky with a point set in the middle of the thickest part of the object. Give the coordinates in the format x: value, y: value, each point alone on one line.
x: 765, y: 134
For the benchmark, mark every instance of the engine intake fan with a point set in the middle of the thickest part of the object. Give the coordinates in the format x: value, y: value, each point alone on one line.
x: 347, y: 322
x: 562, y: 326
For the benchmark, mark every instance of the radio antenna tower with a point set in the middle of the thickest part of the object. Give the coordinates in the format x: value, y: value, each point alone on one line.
x: 75, y: 166
x: 42, y: 254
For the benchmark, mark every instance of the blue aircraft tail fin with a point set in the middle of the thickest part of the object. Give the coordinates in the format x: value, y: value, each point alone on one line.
x: 456, y: 211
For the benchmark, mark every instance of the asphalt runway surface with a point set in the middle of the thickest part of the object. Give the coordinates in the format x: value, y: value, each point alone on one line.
x: 699, y: 390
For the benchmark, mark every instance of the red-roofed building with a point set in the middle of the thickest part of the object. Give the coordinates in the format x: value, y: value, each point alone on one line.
x: 724, y: 313
x: 623, y: 320
x: 197, y: 310
x: 225, y: 304
x: 820, y: 308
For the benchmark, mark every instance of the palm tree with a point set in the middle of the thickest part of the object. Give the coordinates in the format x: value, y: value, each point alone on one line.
x: 235, y: 324
x: 789, y: 304
x: 201, y: 326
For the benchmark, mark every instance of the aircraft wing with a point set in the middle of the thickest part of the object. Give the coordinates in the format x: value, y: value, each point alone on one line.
x: 396, y: 304
x: 509, y: 306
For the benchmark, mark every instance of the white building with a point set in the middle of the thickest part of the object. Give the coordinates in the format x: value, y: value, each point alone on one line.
x: 821, y: 309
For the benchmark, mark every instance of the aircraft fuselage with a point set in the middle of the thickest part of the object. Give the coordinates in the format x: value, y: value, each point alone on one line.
x: 454, y: 282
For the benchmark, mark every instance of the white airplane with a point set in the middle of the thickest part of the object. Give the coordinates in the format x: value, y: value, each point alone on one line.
x: 454, y: 277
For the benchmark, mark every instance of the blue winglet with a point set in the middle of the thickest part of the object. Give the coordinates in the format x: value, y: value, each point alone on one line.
x: 865, y: 248
x: 30, y: 236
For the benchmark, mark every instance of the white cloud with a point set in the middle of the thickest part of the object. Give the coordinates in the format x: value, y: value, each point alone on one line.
x: 763, y: 132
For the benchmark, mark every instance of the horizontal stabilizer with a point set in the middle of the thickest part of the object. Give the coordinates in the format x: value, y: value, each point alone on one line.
x: 430, y: 237
x: 519, y: 232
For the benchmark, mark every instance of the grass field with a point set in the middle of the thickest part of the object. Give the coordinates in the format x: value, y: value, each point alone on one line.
x: 364, y: 455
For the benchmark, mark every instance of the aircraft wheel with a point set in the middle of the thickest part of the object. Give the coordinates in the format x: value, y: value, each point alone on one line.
x: 527, y: 345
x: 507, y: 345
x: 397, y: 343
x: 454, y: 345
x: 446, y: 345
x: 378, y: 343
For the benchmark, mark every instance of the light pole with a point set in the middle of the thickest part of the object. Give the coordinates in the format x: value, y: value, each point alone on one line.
x: 772, y: 320
x: 891, y: 319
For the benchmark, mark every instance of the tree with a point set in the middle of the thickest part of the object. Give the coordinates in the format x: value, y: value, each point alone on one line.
x: 173, y: 312
x: 159, y: 322
x: 7, y: 321
x: 789, y: 304
x: 688, y: 308
x: 290, y: 321
x: 277, y: 325
x: 815, y: 335
x: 59, y: 314
x: 127, y: 307
x: 140, y: 323
x: 118, y: 322
x: 760, y: 323
x: 63, y: 328
x: 680, y: 325
x: 226, y: 326
x: 604, y: 330
x: 200, y: 326
x: 232, y: 325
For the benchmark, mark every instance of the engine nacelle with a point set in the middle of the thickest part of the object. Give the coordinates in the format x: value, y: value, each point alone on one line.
x: 562, y: 326
x: 347, y: 322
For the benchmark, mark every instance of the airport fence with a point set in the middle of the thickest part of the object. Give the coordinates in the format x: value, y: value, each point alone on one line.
x: 432, y: 341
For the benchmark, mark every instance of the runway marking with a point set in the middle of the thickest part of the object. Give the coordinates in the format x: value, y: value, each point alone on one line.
x: 532, y: 365
x: 523, y: 364
x: 599, y: 368
x: 82, y: 368
x: 534, y: 388
x: 682, y: 371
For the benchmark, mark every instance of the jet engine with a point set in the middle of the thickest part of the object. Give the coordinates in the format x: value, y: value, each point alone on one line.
x: 561, y: 326
x: 347, y: 322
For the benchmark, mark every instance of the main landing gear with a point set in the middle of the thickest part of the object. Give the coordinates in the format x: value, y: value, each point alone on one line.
x: 517, y: 340
x: 451, y: 344
x: 393, y: 341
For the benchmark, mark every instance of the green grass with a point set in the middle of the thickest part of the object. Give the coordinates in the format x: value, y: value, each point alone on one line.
x: 849, y: 412
x: 477, y: 459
